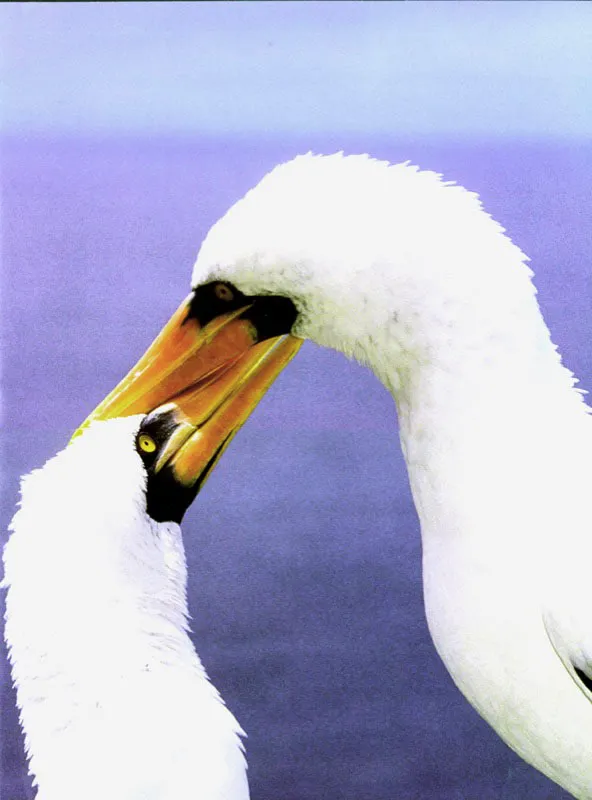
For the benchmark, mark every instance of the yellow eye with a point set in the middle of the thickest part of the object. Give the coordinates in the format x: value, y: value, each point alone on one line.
x: 223, y: 292
x: 147, y: 443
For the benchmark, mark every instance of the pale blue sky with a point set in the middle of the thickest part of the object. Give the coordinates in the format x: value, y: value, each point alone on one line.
x: 452, y: 69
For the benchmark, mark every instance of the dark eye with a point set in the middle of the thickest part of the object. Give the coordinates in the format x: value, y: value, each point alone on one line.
x: 223, y: 292
x: 212, y: 299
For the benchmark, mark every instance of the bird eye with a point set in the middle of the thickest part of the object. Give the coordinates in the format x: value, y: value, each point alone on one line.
x: 223, y: 292
x: 146, y: 443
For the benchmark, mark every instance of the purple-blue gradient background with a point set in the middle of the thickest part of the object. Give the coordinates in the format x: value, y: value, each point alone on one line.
x: 128, y: 129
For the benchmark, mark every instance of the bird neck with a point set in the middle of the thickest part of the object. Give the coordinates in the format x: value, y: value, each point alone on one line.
x: 90, y: 618
x: 487, y: 413
x: 96, y: 626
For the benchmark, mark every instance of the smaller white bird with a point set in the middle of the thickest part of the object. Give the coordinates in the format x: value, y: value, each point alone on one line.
x: 114, y: 700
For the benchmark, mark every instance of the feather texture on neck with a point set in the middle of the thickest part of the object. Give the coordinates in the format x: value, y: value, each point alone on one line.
x: 114, y: 700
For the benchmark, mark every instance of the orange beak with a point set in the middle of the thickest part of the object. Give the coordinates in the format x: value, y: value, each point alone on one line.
x: 215, y: 374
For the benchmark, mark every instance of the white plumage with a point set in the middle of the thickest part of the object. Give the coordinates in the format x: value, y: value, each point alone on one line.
x: 113, y: 698
x: 409, y: 275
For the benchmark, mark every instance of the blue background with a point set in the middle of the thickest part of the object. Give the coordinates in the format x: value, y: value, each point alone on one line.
x: 418, y: 68
x: 128, y: 129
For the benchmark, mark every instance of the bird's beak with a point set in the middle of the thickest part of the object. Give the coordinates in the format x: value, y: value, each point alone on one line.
x: 215, y: 375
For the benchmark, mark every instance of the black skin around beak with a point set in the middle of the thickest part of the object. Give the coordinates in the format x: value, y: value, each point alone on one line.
x: 271, y: 315
x: 167, y: 498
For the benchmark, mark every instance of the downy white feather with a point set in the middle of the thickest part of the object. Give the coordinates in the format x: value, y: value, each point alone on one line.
x: 113, y: 698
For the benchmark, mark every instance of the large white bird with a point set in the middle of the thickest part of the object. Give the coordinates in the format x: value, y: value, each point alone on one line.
x: 114, y: 701
x: 409, y: 275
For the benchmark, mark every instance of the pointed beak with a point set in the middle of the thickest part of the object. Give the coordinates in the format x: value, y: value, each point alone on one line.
x: 214, y: 374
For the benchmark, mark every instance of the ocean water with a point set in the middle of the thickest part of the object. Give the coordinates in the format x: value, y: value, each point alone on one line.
x: 303, y: 548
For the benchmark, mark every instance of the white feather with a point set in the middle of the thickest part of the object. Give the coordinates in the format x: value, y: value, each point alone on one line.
x: 113, y: 698
x: 408, y: 274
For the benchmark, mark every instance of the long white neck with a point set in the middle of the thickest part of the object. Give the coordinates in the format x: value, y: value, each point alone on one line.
x: 488, y: 415
x: 488, y: 419
x: 114, y: 699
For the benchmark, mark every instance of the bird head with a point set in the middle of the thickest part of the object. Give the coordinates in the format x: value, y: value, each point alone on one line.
x: 285, y: 263
x: 152, y: 464
x: 313, y: 230
x: 331, y: 248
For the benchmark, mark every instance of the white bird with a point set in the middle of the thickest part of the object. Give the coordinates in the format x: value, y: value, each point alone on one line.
x: 113, y: 698
x: 409, y: 275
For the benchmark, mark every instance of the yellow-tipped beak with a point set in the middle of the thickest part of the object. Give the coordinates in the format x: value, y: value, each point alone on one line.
x: 214, y: 374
